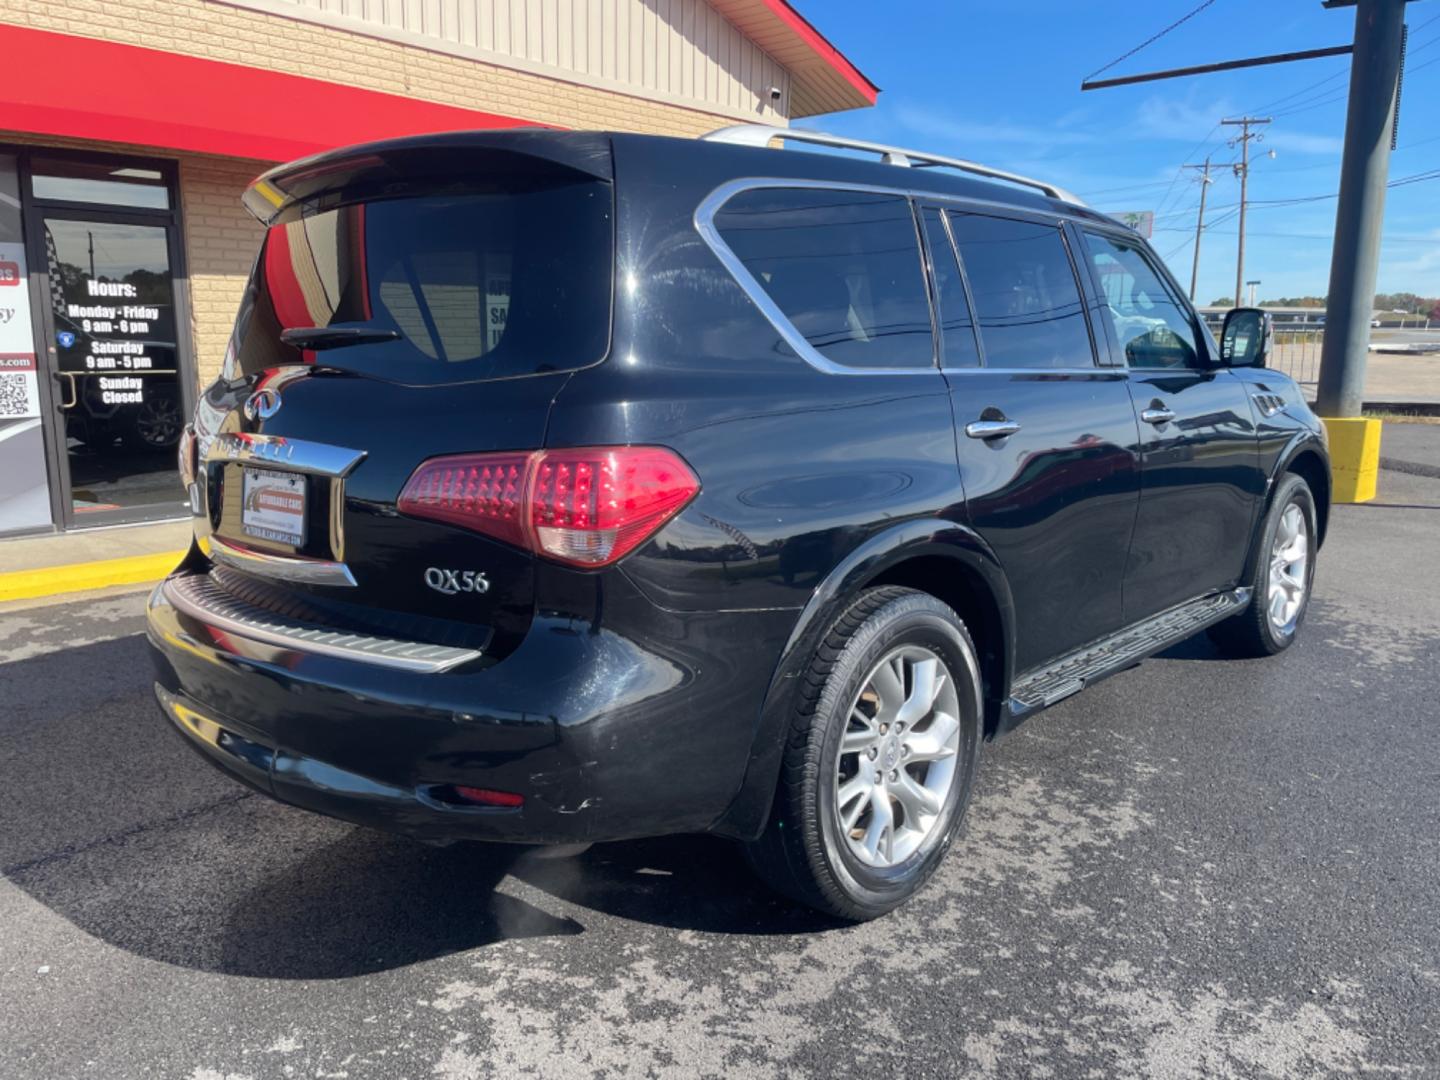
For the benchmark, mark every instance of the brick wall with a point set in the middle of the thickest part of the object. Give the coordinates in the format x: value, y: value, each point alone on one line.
x: 221, y: 240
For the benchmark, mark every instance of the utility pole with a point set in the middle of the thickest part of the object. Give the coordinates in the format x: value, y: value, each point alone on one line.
x: 1242, y: 170
x: 1205, y: 183
x: 1364, y: 172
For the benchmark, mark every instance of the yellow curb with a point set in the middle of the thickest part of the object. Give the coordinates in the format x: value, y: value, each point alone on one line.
x: 81, y: 577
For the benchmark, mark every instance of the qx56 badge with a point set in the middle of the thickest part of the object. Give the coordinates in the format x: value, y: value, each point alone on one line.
x: 451, y: 582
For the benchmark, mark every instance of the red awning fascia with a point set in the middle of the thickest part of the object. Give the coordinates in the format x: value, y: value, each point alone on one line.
x: 81, y: 88
x: 822, y: 48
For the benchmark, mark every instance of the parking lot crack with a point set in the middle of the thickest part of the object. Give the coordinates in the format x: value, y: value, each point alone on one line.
x: 71, y: 850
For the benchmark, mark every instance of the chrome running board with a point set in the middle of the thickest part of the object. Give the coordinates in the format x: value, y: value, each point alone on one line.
x: 1072, y: 673
x: 200, y: 598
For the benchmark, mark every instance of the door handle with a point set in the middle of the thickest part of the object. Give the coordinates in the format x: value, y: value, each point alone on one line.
x: 1157, y: 415
x: 67, y: 378
x: 991, y: 429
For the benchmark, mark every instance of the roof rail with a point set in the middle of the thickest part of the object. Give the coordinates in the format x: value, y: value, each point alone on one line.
x: 762, y: 134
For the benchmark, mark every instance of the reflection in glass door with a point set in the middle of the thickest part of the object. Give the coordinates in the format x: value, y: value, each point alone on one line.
x: 115, y: 360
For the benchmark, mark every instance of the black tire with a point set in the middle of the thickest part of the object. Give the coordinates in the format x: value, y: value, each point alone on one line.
x: 803, y: 852
x: 1252, y: 633
x: 156, y: 423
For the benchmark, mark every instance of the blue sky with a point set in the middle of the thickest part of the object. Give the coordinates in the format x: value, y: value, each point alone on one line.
x: 998, y: 81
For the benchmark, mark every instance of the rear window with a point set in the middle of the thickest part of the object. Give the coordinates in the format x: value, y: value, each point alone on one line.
x: 479, y: 285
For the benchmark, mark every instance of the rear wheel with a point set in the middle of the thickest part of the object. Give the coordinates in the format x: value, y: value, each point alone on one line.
x: 157, y: 421
x: 1280, y: 584
x: 881, y: 758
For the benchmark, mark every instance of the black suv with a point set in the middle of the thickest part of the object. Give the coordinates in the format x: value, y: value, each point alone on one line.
x: 563, y: 487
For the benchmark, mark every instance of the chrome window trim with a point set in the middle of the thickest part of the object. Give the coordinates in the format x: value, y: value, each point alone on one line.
x: 296, y: 568
x: 704, y: 220
x: 1094, y: 369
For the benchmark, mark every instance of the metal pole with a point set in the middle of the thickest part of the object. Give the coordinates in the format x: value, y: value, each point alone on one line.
x: 1242, y: 170
x: 1364, y: 172
x: 1199, y: 224
x: 1244, y: 178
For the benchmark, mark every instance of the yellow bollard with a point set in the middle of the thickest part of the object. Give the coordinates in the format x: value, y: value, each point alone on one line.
x: 1354, y: 458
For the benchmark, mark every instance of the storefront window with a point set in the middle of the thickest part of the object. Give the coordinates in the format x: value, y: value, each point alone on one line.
x: 93, y: 378
x: 104, y: 183
x: 112, y: 299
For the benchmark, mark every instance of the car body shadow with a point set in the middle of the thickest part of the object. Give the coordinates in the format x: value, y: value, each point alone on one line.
x: 114, y: 825
x: 1195, y: 647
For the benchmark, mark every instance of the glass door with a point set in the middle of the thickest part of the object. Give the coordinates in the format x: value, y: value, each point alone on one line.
x: 112, y: 346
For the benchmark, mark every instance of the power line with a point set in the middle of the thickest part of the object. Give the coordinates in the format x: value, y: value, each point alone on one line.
x: 1150, y: 40
x: 1128, y: 187
x: 1400, y: 181
x: 1317, y: 103
x: 1303, y: 90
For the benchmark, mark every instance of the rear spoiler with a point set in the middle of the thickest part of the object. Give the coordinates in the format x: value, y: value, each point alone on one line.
x: 376, y: 169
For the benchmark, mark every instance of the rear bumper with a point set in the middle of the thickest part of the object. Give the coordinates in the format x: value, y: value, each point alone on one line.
x: 638, y: 726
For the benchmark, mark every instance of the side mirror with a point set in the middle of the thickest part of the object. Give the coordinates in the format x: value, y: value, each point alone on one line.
x: 1247, y: 337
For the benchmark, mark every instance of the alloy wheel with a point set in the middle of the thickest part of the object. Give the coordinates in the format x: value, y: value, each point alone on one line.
x: 897, y: 756
x: 158, y: 423
x: 1289, y: 563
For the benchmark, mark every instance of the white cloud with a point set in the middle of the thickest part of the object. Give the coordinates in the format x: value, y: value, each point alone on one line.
x: 1300, y: 143
x: 1182, y: 119
x: 933, y: 124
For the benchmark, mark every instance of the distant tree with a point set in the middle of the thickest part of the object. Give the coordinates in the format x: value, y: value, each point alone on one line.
x: 1400, y: 301
x: 1435, y: 311
x: 1224, y: 301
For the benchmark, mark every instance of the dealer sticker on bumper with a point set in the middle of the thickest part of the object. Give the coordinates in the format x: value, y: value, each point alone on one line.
x: 274, y: 506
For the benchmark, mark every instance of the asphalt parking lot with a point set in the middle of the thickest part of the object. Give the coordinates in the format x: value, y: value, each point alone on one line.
x: 1197, y: 869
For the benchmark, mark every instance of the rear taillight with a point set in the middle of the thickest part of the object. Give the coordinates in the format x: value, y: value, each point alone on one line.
x: 588, y: 506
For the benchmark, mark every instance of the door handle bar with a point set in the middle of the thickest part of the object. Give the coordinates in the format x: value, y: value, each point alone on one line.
x: 1157, y: 416
x: 67, y: 378
x: 991, y: 429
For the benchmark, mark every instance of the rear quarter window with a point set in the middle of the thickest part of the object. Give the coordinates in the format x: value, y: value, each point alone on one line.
x: 844, y: 267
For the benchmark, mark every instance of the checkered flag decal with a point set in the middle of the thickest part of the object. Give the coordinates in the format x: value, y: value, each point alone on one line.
x: 57, y: 280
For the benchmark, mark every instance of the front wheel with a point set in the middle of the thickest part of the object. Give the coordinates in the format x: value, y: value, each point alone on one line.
x: 881, y: 758
x: 1280, y: 584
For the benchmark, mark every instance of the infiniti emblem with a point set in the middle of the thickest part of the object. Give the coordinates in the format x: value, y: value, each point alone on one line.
x: 262, y: 404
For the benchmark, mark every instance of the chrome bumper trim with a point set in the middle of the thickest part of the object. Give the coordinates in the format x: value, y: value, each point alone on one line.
x: 197, y: 596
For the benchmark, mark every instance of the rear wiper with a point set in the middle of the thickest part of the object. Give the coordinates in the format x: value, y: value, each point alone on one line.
x: 334, y: 337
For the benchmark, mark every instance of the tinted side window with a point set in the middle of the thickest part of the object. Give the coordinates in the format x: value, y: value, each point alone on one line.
x: 1151, y: 326
x: 1026, y: 298
x: 844, y: 267
x: 957, y: 333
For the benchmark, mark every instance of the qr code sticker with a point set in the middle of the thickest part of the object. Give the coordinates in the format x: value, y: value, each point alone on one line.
x: 17, y: 395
